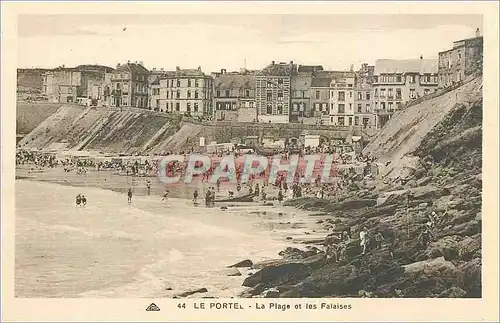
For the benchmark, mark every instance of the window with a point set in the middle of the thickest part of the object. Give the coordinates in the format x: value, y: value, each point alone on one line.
x: 227, y: 93
x: 367, y: 95
x: 280, y: 81
x: 390, y: 95
x: 269, y: 96
x: 356, y: 121
x: 247, y: 93
x: 196, y: 107
x: 317, y: 95
x: 295, y: 107
x: 280, y: 109
x: 398, y: 94
x: 218, y: 93
x: 360, y: 96
x: 331, y: 94
x: 269, y: 84
x: 269, y: 108
x: 382, y: 105
x: 426, y: 92
x: 195, y: 94
x: 331, y: 119
x: 376, y: 93
x: 280, y: 95
x: 341, y: 108
x: 398, y: 78
x: 189, y: 83
x: 177, y: 106
x: 349, y: 85
x: 178, y: 94
x: 196, y: 85
x: 382, y: 93
x: 389, y: 106
x: 366, y: 121
x: 188, y: 107
x: 350, y: 107
x: 350, y: 94
x: 341, y: 96
x: 189, y: 94
x: 360, y: 108
x: 167, y: 95
x: 341, y: 121
x: 178, y: 83
x: 412, y: 78
x: 368, y: 108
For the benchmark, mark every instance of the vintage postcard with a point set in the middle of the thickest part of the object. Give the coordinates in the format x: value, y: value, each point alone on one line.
x: 265, y: 161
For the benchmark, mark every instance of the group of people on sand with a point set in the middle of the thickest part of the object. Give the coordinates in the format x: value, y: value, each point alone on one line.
x: 81, y: 200
x: 210, y: 197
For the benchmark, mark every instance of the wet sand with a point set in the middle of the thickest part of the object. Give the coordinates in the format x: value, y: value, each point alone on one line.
x: 147, y: 248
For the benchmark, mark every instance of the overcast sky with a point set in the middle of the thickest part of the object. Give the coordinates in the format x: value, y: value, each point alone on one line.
x: 225, y: 41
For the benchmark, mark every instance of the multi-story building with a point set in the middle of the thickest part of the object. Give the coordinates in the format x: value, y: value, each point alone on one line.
x: 100, y: 91
x: 187, y: 92
x: 364, y: 114
x: 234, y: 96
x: 463, y: 59
x: 129, y: 85
x: 272, y: 92
x: 341, y: 100
x: 73, y: 85
x: 320, y: 96
x: 301, y: 93
x: 154, y: 88
x: 399, y: 81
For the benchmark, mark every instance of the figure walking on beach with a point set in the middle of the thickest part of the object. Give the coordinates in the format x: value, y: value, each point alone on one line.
x: 165, y: 196
x: 195, y: 196
x: 148, y: 185
x: 129, y: 195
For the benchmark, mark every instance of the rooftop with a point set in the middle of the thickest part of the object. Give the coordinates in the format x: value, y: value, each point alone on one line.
x: 278, y: 69
x: 133, y: 68
x: 401, y: 66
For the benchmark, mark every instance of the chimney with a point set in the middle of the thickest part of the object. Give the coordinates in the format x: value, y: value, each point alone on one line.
x: 223, y: 71
x: 117, y: 65
x: 199, y: 68
x: 421, y: 57
x: 161, y: 69
x: 272, y: 63
x: 154, y: 68
x: 478, y: 33
x: 291, y: 62
x: 128, y: 62
x: 177, y: 69
x: 141, y: 63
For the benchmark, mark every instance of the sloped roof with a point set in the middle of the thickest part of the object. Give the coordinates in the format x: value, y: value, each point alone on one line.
x: 89, y: 67
x: 189, y: 72
x: 277, y: 69
x: 309, y: 68
x: 390, y: 66
x: 133, y: 68
x: 231, y: 81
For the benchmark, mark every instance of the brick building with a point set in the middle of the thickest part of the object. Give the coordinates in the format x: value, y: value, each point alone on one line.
x: 272, y: 92
x: 364, y: 114
x: 234, y: 96
x: 187, y: 92
x: 129, y: 85
x: 463, y: 59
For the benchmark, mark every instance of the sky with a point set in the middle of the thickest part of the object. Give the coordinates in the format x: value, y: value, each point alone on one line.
x: 233, y: 41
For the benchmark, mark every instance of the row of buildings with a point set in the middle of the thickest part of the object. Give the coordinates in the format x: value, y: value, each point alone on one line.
x: 282, y: 92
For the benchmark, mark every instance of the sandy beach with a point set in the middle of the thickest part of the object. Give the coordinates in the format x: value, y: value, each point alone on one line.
x: 148, y: 248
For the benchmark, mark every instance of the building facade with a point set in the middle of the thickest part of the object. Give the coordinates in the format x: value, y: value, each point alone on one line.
x: 364, y: 114
x: 73, y: 85
x: 272, y: 92
x: 300, y: 105
x: 399, y: 81
x: 129, y: 85
x: 154, y: 88
x: 187, y: 92
x: 319, y: 95
x: 234, y: 96
x: 465, y: 58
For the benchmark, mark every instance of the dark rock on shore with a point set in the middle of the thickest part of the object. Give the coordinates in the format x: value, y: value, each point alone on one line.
x: 188, y: 293
x: 242, y: 264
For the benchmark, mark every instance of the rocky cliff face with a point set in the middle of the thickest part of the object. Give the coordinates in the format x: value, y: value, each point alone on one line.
x: 445, y: 177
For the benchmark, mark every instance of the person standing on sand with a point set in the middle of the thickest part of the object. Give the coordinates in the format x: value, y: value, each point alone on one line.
x: 165, y: 196
x: 129, y: 195
x: 148, y: 185
x: 195, y: 196
x: 280, y: 196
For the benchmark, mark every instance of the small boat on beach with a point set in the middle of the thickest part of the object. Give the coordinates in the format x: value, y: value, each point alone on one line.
x: 241, y: 198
